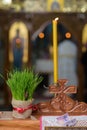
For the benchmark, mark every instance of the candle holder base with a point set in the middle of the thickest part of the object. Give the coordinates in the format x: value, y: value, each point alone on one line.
x: 61, y: 103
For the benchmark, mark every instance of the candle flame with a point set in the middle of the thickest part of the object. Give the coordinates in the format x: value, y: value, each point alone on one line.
x: 56, y: 19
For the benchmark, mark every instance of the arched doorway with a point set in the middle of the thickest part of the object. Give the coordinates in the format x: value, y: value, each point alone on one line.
x: 43, y: 56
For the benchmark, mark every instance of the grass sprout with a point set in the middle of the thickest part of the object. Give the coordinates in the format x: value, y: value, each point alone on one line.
x: 23, y: 83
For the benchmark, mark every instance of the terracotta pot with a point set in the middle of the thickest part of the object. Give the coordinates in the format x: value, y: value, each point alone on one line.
x: 21, y: 109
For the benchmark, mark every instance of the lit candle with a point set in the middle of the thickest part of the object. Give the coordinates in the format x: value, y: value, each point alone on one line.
x: 55, y: 50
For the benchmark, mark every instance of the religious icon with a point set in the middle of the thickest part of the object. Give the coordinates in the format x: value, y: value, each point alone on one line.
x: 18, y: 45
x: 17, y: 48
x: 55, y: 5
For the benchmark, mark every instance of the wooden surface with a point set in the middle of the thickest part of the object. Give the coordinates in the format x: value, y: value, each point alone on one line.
x: 9, y: 123
x: 66, y: 128
x: 19, y: 125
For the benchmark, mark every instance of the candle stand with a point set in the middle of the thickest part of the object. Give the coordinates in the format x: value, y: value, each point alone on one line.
x: 61, y: 103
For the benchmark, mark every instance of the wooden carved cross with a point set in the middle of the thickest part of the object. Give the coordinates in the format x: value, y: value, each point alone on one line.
x: 61, y: 102
x: 61, y: 98
x: 62, y: 88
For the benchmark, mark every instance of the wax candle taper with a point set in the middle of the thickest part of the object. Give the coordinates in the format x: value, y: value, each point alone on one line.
x: 55, y: 50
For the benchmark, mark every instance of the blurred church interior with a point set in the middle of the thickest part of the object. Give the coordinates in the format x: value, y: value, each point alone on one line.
x: 31, y: 20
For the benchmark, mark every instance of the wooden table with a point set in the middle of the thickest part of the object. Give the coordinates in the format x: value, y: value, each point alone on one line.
x: 19, y: 125
x: 9, y: 123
